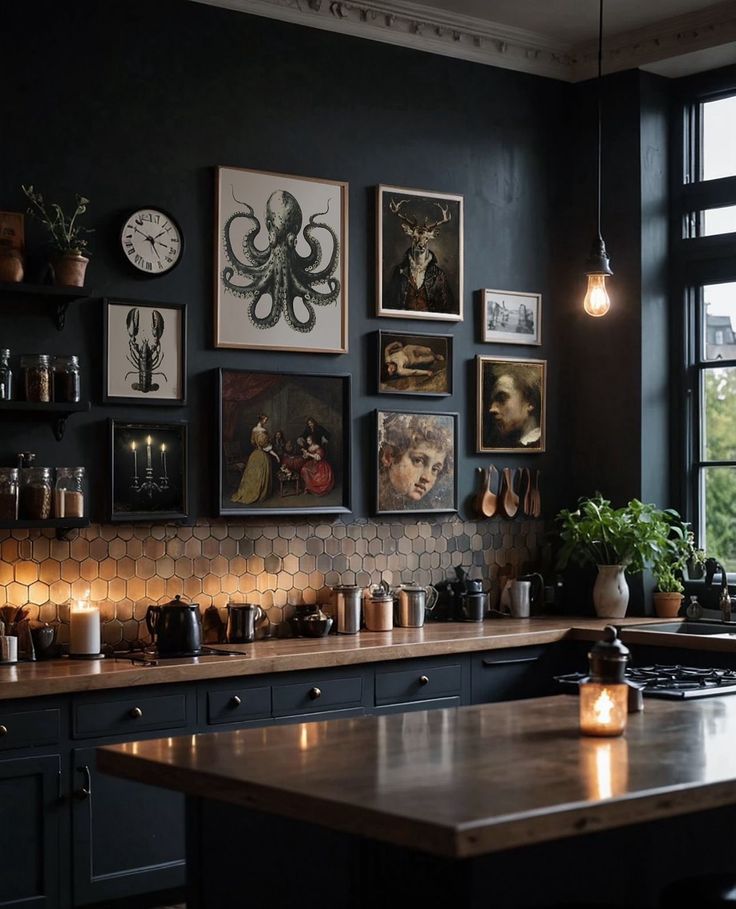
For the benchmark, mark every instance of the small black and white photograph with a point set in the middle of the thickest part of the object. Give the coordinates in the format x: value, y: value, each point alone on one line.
x: 145, y: 352
x: 414, y: 364
x: 510, y: 317
x: 148, y: 471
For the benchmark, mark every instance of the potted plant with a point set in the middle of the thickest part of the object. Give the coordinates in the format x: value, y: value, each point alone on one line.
x: 616, y: 540
x: 679, y: 554
x: 68, y: 263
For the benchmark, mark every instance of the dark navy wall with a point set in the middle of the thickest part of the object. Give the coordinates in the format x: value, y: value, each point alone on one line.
x: 136, y: 104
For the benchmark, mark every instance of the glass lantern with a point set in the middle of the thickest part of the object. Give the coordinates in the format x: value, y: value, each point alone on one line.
x: 604, y: 695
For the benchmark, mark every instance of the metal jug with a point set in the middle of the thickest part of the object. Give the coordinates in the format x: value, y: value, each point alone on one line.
x: 412, y: 605
x: 241, y: 622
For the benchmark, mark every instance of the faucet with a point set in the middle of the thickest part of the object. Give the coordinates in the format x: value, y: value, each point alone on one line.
x: 724, y: 603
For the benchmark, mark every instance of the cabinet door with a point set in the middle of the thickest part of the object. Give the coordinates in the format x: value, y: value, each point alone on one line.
x: 510, y: 674
x: 29, y: 843
x: 127, y: 838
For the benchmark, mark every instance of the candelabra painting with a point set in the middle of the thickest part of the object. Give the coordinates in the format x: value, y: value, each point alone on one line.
x: 148, y: 471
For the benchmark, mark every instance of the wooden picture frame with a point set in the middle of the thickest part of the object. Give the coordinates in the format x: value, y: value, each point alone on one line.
x: 144, y: 352
x: 414, y: 364
x: 419, y: 253
x: 256, y: 305
x: 284, y: 443
x: 511, y: 405
x: 416, y: 462
x: 12, y: 231
x: 510, y: 317
x: 149, y: 479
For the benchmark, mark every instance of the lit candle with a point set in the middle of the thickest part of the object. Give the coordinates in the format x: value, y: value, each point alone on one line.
x: 163, y: 461
x: 603, y: 708
x: 148, y: 453
x: 84, y: 631
x: 135, y: 458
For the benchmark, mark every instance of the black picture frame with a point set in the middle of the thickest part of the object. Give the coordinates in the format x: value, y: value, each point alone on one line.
x: 395, y: 434
x: 438, y: 364
x: 141, y: 398
x: 260, y: 474
x: 129, y: 473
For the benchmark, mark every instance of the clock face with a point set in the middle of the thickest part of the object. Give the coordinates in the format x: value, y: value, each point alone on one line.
x: 152, y: 241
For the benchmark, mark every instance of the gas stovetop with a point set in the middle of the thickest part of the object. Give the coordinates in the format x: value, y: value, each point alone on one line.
x: 671, y: 681
x: 151, y: 657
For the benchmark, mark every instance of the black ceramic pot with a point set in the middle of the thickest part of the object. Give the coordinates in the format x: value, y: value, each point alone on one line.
x: 176, y: 627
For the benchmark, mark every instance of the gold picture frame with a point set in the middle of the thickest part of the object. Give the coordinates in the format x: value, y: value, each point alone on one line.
x: 511, y: 400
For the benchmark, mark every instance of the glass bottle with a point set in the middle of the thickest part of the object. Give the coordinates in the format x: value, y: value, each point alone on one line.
x: 37, y: 378
x: 8, y: 493
x: 6, y: 376
x: 67, y: 386
x: 35, y: 494
x: 69, y: 492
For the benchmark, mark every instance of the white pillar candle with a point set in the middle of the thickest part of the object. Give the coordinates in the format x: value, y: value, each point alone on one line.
x: 84, y: 632
x: 148, y: 452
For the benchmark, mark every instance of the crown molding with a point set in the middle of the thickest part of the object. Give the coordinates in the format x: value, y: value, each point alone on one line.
x: 420, y: 27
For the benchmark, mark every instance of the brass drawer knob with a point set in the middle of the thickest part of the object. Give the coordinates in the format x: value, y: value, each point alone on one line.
x: 136, y: 713
x: 315, y: 693
x: 235, y: 701
x: 3, y: 731
x: 424, y: 680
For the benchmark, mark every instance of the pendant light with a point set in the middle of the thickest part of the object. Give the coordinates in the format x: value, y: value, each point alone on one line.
x: 597, y: 267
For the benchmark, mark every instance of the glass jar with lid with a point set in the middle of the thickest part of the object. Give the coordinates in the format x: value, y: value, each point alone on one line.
x: 37, y: 378
x: 8, y: 493
x: 35, y: 494
x: 6, y: 376
x: 67, y: 386
x: 69, y: 492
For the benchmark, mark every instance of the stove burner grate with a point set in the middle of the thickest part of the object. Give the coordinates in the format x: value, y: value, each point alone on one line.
x: 670, y: 681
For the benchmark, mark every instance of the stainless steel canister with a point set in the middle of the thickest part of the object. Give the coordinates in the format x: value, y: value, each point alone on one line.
x: 411, y: 605
x: 348, y: 602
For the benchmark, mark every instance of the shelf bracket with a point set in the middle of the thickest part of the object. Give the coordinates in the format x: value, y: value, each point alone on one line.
x: 59, y: 426
x: 67, y: 533
x: 61, y: 308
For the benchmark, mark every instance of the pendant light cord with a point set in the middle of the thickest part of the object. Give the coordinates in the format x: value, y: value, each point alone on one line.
x: 600, y: 107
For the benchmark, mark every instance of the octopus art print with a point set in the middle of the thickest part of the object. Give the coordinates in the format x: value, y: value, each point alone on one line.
x: 296, y: 283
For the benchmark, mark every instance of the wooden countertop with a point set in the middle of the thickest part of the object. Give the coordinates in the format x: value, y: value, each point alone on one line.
x: 282, y: 655
x: 459, y: 782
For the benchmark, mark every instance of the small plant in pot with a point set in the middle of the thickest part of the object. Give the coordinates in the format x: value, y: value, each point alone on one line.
x: 678, y: 555
x: 66, y: 236
x: 616, y: 540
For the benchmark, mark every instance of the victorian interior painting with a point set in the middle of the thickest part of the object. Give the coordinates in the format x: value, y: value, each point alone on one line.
x: 145, y: 352
x: 511, y: 413
x: 509, y: 317
x: 416, y: 462
x: 414, y: 364
x: 148, y: 471
x: 420, y: 254
x: 280, y: 262
x: 284, y: 443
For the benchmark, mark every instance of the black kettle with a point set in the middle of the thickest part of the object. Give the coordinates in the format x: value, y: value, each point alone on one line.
x: 175, y: 628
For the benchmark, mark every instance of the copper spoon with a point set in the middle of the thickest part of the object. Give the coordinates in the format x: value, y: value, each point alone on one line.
x: 509, y: 498
x: 489, y: 502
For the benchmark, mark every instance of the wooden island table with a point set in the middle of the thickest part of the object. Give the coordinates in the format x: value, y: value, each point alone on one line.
x: 493, y: 805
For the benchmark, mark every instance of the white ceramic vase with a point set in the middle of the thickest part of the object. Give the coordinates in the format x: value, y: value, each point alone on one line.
x: 611, y: 592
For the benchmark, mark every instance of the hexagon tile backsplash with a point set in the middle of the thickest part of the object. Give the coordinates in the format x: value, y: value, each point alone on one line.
x: 124, y: 568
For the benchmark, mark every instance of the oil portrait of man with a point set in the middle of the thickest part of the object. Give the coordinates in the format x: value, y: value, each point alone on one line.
x: 511, y: 405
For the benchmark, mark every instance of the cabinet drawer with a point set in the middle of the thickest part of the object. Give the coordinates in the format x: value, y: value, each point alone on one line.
x: 317, y: 695
x: 235, y: 705
x: 24, y: 729
x: 421, y: 683
x: 510, y: 674
x: 132, y: 715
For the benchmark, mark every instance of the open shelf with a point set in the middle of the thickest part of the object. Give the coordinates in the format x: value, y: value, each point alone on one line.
x: 57, y: 297
x: 61, y: 525
x: 56, y: 413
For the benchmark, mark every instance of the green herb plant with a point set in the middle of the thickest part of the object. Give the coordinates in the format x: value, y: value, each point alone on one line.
x: 679, y: 556
x: 65, y: 231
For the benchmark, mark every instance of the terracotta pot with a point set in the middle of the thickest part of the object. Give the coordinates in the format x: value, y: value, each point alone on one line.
x: 11, y: 266
x: 667, y: 605
x: 69, y: 270
x: 611, y: 592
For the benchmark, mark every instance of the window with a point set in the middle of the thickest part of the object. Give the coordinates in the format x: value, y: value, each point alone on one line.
x: 705, y: 251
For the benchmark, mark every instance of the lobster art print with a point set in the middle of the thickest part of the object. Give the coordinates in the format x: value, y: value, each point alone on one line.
x: 145, y: 354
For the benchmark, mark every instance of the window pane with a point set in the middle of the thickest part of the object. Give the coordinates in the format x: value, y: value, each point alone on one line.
x: 718, y: 221
x: 719, y: 138
x: 719, y: 514
x: 719, y: 417
x: 719, y: 326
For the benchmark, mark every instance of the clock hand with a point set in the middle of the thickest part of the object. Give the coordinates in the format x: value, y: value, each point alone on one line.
x: 141, y: 233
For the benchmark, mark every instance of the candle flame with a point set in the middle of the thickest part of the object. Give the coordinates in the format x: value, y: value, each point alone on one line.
x: 149, y: 440
x: 603, y: 708
x: 132, y: 446
x: 163, y: 448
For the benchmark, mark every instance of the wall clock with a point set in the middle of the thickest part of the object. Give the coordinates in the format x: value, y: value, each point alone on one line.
x: 152, y: 241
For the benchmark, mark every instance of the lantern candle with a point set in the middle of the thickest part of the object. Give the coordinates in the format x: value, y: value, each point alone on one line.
x: 604, y: 696
x: 84, y: 630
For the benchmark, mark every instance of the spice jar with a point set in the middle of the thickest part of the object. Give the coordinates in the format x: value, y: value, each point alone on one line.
x: 8, y: 493
x: 37, y: 378
x: 66, y: 379
x: 35, y: 494
x: 69, y: 492
x: 6, y: 376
